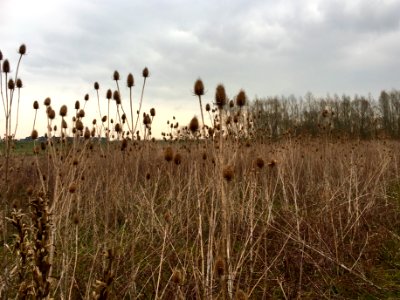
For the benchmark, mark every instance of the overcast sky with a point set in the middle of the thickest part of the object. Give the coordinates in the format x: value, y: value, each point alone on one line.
x: 266, y: 47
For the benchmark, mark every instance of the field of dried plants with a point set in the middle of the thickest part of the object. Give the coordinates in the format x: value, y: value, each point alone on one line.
x: 100, y: 210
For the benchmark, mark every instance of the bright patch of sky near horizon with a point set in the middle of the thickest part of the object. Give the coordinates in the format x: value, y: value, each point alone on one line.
x: 265, y: 47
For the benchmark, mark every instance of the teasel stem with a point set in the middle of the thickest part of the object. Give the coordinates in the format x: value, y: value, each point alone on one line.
x: 17, y: 118
x: 140, y: 103
x: 131, y: 105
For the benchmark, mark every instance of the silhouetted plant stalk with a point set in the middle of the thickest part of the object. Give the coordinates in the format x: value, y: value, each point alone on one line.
x: 145, y: 74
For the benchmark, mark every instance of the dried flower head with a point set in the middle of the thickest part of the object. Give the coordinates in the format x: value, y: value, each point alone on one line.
x: 96, y: 86
x: 64, y: 124
x: 79, y: 125
x: 231, y: 104
x: 19, y: 83
x: 86, y: 135
x: 153, y: 112
x: 6, y: 66
x: 104, y: 119
x: 86, y: 97
x: 259, y: 162
x: 118, y: 128
x: 241, y: 98
x: 220, y: 96
x: 194, y: 125
x: 81, y: 113
x: 1, y: 56
x: 130, y: 82
x: 109, y: 94
x: 145, y: 72
x: 11, y: 84
x: 208, y: 107
x: 35, y: 105
x: 34, y: 134
x: 228, y: 173
x: 47, y: 101
x: 117, y: 97
x: 168, y: 154
x: 51, y: 113
x: 199, y: 87
x: 116, y: 75
x: 63, y: 111
x: 22, y: 49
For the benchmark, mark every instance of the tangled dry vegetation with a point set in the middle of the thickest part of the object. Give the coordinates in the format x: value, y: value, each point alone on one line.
x: 209, y: 213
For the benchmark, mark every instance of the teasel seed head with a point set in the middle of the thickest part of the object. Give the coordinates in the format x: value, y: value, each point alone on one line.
x: 81, y: 113
x: 241, y: 98
x: 153, y: 112
x: 86, y: 135
x: 145, y: 72
x: 231, y: 104
x: 6, y: 66
x: 194, y: 125
x: 96, y: 86
x: 130, y: 82
x: 79, y: 125
x: 177, y: 277
x: 199, y: 87
x: 228, y: 173
x: 219, y: 267
x: 208, y: 107
x: 47, y: 101
x: 104, y: 119
x: 35, y: 105
x: 109, y: 94
x: 168, y: 154
x: 1, y: 56
x: 22, y: 49
x: 19, y: 83
x: 117, y: 97
x: 77, y: 105
x: 86, y: 97
x: 220, y: 96
x: 63, y: 111
x: 94, y: 121
x: 34, y: 134
x: 116, y: 75
x: 118, y: 128
x: 11, y: 84
x: 72, y: 188
x: 259, y: 162
x: 51, y: 113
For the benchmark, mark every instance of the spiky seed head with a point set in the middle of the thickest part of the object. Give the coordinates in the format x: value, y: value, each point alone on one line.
x: 208, y: 107
x: 86, y: 97
x: 177, y: 277
x: 177, y: 159
x: 117, y: 97
x: 19, y: 83
x: 79, y: 125
x: 55, y: 128
x: 11, y: 84
x: 153, y: 112
x: 63, y: 111
x: 241, y: 98
x: 219, y: 267
x: 81, y: 113
x: 109, y: 94
x: 86, y: 135
x: 94, y: 121
x: 34, y: 134
x: 199, y: 87
x: 228, y: 173
x: 1, y: 56
x: 194, y: 125
x: 231, y: 104
x: 96, y: 86
x: 168, y: 154
x: 123, y: 117
x: 259, y: 162
x: 35, y: 105
x: 130, y: 82
x: 6, y: 66
x: 77, y: 105
x: 145, y: 72
x: 47, y: 101
x: 22, y: 49
x: 72, y: 188
x: 220, y: 96
x: 118, y: 128
x: 146, y: 119
x: 104, y: 119
x: 51, y: 113
x: 64, y: 124
x: 116, y: 75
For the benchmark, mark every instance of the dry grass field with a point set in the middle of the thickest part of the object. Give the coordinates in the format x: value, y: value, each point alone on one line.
x: 208, y: 213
